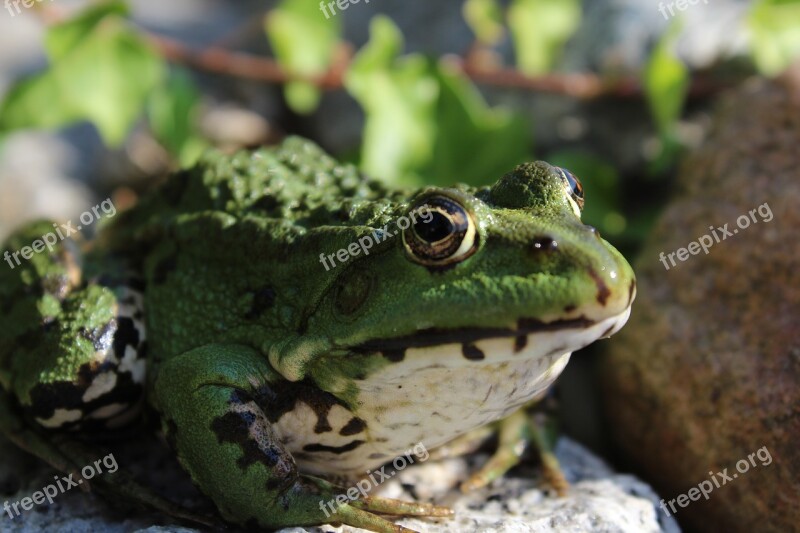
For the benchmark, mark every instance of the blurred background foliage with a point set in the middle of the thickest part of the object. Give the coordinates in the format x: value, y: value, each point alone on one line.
x: 425, y: 119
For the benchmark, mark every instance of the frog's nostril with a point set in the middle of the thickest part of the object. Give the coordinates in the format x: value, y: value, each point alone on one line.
x: 544, y: 244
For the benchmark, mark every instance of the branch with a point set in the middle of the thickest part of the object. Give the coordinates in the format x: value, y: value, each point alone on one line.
x: 582, y: 86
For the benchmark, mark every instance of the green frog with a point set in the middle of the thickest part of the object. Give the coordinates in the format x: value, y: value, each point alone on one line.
x: 280, y: 367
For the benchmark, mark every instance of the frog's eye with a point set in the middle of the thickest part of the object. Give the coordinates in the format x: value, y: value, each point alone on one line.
x: 574, y: 186
x: 442, y: 232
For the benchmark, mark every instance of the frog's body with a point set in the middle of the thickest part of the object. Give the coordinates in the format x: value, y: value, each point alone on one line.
x: 264, y: 363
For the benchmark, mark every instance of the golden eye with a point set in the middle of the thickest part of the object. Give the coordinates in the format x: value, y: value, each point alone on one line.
x: 443, y: 232
x: 574, y: 186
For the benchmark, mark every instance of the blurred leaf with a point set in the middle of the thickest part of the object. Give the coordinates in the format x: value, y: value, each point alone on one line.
x: 304, y: 41
x: 474, y: 144
x: 485, y: 18
x: 666, y: 81
x: 61, y: 39
x: 775, y: 34
x: 91, y: 80
x: 425, y: 123
x: 540, y: 28
x: 172, y: 115
x: 399, y: 99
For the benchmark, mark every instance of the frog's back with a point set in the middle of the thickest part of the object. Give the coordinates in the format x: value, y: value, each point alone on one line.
x: 295, y: 182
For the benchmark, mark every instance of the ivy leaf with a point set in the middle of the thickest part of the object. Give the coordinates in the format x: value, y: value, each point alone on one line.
x: 304, y: 41
x: 172, y: 116
x: 64, y: 37
x: 666, y: 82
x: 539, y: 29
x: 426, y: 123
x: 485, y: 18
x: 775, y: 34
x: 475, y: 144
x: 399, y: 99
x: 90, y: 78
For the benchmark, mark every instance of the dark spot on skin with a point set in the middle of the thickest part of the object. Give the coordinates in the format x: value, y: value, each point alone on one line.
x: 472, y: 352
x: 520, y: 342
x: 395, y: 355
x: 163, y: 269
x: 127, y: 335
x: 378, y: 456
x: 436, y: 337
x: 281, y: 397
x: 570, y: 308
x: 102, y: 337
x: 263, y: 299
x: 411, y: 490
x: 602, y: 289
x: 268, y: 203
x: 338, y: 450
x: 234, y: 427
x: 353, y: 427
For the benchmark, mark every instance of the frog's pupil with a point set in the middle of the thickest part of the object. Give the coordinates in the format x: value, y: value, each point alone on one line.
x: 439, y: 227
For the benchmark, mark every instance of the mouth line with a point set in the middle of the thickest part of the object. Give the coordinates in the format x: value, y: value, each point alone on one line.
x: 437, y: 336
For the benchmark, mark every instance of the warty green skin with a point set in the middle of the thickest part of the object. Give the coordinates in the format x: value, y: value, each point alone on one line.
x: 259, y: 359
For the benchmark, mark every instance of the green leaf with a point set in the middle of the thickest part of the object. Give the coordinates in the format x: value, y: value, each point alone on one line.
x: 426, y: 123
x: 475, y: 144
x: 304, y: 41
x: 62, y: 38
x: 485, y: 18
x: 399, y: 99
x: 666, y: 82
x: 172, y: 114
x: 775, y: 34
x: 103, y: 76
x: 540, y: 28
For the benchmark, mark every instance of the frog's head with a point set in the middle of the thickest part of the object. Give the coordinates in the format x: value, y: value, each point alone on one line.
x: 496, y: 274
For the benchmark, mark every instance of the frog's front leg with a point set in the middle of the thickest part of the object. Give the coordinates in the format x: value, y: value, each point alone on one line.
x: 209, y: 399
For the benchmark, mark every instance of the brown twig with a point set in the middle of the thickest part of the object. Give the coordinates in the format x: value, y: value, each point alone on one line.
x: 582, y: 86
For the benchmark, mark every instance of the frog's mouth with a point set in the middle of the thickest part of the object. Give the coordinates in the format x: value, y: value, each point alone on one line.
x: 530, y: 338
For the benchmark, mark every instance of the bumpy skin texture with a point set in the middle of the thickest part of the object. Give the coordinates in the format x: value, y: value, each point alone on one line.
x: 262, y: 362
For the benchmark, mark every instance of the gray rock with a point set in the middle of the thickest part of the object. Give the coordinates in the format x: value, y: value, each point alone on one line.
x: 598, y: 501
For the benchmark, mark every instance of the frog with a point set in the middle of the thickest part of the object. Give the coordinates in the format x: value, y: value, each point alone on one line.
x: 278, y: 372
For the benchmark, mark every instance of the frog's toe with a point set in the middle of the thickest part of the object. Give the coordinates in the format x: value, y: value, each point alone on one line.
x: 363, y: 513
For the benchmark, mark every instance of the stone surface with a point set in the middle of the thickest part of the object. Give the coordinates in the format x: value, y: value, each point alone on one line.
x: 707, y: 371
x: 599, y: 500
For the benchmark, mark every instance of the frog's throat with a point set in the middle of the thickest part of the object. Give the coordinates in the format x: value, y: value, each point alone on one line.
x: 532, y: 338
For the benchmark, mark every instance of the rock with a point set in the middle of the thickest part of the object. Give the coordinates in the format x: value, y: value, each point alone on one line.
x: 707, y: 371
x: 599, y: 500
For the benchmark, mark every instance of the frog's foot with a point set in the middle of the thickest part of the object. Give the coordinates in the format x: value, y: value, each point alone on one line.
x: 364, y: 513
x: 516, y: 432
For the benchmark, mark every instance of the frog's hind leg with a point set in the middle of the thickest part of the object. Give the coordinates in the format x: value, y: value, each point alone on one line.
x: 72, y: 354
x: 535, y: 426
